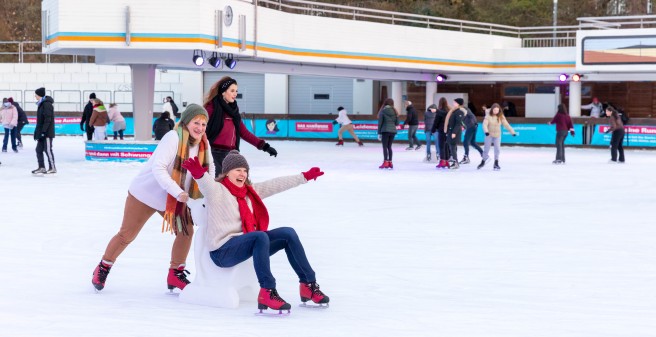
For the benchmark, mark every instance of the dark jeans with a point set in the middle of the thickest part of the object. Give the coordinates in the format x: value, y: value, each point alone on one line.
x: 412, y: 135
x: 118, y: 133
x: 444, y: 148
x: 470, y: 139
x: 218, y: 155
x: 452, y: 143
x: 45, y: 145
x: 9, y: 133
x: 616, y: 141
x: 430, y: 138
x: 388, y: 139
x: 560, y: 145
x: 90, y: 130
x: 19, y: 128
x: 261, y: 245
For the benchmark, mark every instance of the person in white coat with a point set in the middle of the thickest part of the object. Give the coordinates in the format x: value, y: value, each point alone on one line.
x: 595, y: 108
x: 9, y: 119
x: 164, y: 187
x: 346, y: 125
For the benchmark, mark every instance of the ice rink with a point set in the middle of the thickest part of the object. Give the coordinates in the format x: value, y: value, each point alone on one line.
x: 532, y: 250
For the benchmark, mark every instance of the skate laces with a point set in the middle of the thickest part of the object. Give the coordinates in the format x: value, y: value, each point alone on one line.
x: 180, y: 274
x: 314, y: 287
x: 273, y: 295
x: 103, y: 271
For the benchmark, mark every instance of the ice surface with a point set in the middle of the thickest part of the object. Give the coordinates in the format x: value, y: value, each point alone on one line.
x: 532, y: 250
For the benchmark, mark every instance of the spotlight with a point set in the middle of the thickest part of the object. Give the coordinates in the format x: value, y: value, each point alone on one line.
x: 563, y: 77
x: 199, y: 57
x: 577, y: 77
x: 441, y: 77
x: 230, y: 62
x: 214, y: 61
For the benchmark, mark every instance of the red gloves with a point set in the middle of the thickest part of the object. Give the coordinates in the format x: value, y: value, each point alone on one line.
x: 194, y: 167
x: 313, y: 173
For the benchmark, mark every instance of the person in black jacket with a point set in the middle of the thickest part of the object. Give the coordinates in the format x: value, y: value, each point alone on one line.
x: 22, y: 121
x: 438, y: 126
x: 162, y: 125
x: 86, y: 117
x: 44, y: 132
x: 412, y: 122
x: 453, y: 129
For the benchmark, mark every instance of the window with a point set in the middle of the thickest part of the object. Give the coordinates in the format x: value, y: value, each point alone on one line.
x: 321, y: 96
x: 515, y: 90
x: 239, y: 96
x: 545, y: 90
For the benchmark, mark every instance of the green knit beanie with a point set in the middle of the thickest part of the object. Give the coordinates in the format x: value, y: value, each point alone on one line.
x: 191, y: 112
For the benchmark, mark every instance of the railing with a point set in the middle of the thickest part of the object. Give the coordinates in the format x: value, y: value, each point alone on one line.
x: 30, y: 52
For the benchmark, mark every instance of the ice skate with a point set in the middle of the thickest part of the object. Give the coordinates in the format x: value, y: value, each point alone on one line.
x: 418, y: 147
x: 557, y: 162
x: 443, y: 164
x: 496, y: 165
x: 311, y: 292
x: 100, y: 275
x: 390, y: 166
x: 360, y: 143
x: 269, y: 299
x: 177, y: 278
x: 340, y: 143
x: 480, y: 166
x: 409, y: 148
x: 384, y: 165
x: 39, y: 171
x: 464, y: 160
x: 51, y: 171
x: 428, y: 158
x: 454, y: 165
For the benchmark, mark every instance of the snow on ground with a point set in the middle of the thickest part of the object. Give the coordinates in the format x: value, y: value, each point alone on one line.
x: 532, y: 250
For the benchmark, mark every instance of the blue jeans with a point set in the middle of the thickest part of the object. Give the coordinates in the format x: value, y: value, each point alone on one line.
x: 9, y: 132
x: 430, y: 138
x: 261, y: 245
x: 470, y: 139
x: 412, y: 135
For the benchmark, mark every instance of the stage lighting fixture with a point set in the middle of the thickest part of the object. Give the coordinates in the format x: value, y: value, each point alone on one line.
x: 563, y: 77
x: 441, y: 77
x: 214, y: 61
x: 230, y: 62
x: 199, y: 58
x: 577, y: 77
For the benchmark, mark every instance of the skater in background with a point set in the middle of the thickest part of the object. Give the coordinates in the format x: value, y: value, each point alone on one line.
x: 563, y: 125
x: 388, y: 119
x: 99, y: 120
x: 237, y: 226
x: 22, y: 121
x: 471, y: 125
x: 85, y: 125
x: 492, y: 128
x: 346, y: 125
x: 9, y: 120
x: 453, y: 129
x: 617, y: 138
x: 44, y: 131
x: 595, y: 108
x: 162, y: 125
x: 118, y: 121
x: 431, y: 136
x: 225, y: 129
x: 163, y: 186
x: 438, y: 127
x: 170, y: 107
x: 412, y: 122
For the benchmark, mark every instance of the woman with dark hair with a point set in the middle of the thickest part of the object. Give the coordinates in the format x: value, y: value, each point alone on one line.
x: 617, y: 138
x: 563, y: 125
x: 388, y: 119
x: 438, y: 126
x: 225, y: 128
x: 162, y: 125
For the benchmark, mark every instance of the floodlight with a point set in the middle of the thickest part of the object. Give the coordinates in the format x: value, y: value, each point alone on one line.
x: 563, y: 77
x: 230, y: 62
x: 199, y: 58
x: 214, y: 61
x: 441, y: 77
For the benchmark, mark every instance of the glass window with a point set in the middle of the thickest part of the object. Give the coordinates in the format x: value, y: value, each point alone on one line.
x: 586, y: 91
x: 545, y: 90
x: 321, y: 96
x: 515, y: 90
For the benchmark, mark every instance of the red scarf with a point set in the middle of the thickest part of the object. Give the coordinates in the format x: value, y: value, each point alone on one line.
x: 259, y: 221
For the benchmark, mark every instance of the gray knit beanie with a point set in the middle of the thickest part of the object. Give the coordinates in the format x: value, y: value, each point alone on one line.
x: 191, y: 112
x: 234, y: 160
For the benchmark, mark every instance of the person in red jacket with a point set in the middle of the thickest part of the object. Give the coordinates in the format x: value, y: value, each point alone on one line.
x: 225, y: 128
x: 563, y: 125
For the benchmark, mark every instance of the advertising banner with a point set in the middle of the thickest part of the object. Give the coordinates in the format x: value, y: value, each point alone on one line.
x: 119, y: 150
x: 271, y: 128
x: 535, y: 134
x: 71, y: 126
x: 634, y: 135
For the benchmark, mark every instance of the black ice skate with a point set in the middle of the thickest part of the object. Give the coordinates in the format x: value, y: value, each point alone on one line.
x: 480, y: 166
x: 496, y: 165
x: 465, y: 160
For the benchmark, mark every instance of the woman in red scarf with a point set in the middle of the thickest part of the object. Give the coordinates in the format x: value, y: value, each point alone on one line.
x: 237, y: 226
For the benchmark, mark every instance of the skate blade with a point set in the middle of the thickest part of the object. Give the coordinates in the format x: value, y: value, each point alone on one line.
x: 172, y: 293
x: 280, y: 313
x: 314, y: 306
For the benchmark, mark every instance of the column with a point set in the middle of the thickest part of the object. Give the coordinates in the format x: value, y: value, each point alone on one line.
x: 575, y: 99
x: 397, y: 96
x: 276, y: 94
x: 431, y: 90
x: 143, y: 92
x: 363, y: 97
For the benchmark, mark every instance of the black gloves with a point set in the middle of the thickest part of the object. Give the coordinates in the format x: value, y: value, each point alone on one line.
x: 572, y: 133
x: 334, y: 122
x: 82, y: 127
x: 268, y: 149
x: 487, y: 133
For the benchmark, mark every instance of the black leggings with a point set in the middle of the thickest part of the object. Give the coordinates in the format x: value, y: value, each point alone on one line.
x: 218, y: 155
x: 444, y: 148
x: 616, y: 145
x: 388, y: 139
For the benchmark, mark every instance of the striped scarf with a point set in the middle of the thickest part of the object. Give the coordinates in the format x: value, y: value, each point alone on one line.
x: 177, y: 215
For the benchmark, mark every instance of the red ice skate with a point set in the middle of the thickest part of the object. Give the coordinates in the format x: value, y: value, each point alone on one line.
x: 385, y: 165
x: 340, y: 143
x: 269, y: 298
x: 177, y: 278
x: 310, y: 291
x: 100, y: 275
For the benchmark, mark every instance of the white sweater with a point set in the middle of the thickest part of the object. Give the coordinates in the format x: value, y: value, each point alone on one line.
x: 223, y: 218
x: 342, y: 118
x: 154, y: 182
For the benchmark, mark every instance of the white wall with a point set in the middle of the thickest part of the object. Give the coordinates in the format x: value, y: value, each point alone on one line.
x: 363, y: 99
x: 276, y: 94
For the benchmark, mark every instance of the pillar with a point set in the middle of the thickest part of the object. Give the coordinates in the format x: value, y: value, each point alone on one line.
x: 575, y: 99
x: 397, y: 96
x: 431, y: 90
x: 143, y: 93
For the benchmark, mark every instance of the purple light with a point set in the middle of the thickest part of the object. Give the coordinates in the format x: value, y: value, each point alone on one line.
x: 440, y: 78
x: 562, y: 77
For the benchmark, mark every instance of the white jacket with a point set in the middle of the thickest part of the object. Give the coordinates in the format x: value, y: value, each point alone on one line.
x: 154, y: 182
x: 342, y: 118
x: 9, y: 117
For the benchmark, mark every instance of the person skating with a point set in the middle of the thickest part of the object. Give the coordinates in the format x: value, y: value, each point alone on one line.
x: 431, y: 136
x: 225, y: 129
x: 471, y: 125
x: 237, y: 226
x: 162, y: 125
x: 346, y: 125
x: 85, y: 125
x: 438, y: 126
x: 617, y: 138
x: 492, y: 128
x: 44, y: 132
x: 118, y: 121
x: 163, y: 186
x: 22, y: 121
x: 563, y: 125
x: 388, y: 119
x: 453, y: 130
x: 412, y: 122
x: 99, y: 120
x: 9, y: 120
